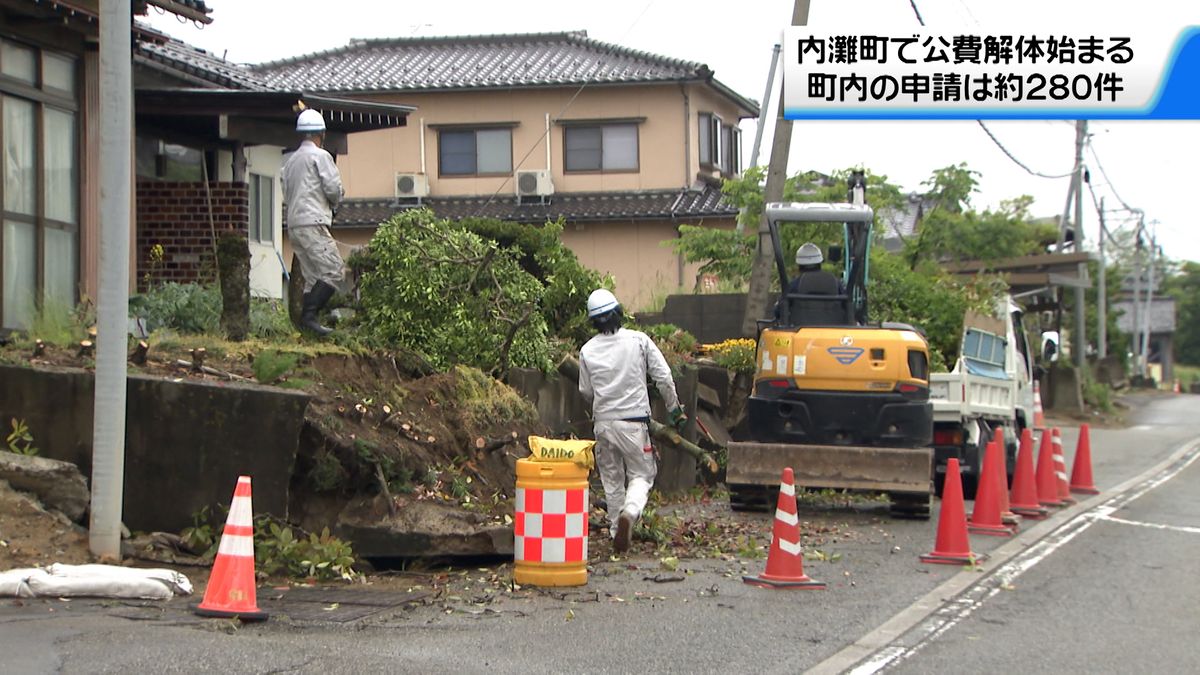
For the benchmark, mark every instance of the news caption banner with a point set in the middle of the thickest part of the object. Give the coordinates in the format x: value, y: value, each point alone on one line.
x: 1147, y: 72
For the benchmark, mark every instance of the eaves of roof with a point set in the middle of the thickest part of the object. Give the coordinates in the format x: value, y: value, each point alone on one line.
x: 571, y: 207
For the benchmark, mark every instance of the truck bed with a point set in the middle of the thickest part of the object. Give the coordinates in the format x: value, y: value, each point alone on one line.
x: 959, y: 395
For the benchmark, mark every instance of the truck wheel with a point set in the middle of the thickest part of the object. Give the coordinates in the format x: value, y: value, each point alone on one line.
x: 756, y: 498
x: 909, y: 505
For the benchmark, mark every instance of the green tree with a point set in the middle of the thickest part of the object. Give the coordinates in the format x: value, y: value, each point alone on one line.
x: 1184, y: 286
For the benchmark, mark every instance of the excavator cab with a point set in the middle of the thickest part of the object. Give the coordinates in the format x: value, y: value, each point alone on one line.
x: 843, y: 402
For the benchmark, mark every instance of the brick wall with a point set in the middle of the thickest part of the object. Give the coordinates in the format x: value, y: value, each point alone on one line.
x: 176, y: 216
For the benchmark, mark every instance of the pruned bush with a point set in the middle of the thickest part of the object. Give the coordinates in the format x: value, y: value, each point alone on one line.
x: 457, y: 298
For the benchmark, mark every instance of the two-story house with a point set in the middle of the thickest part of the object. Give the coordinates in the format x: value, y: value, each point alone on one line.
x: 623, y: 145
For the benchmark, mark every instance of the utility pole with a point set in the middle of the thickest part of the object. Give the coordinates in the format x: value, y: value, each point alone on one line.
x: 762, y: 122
x: 1102, y: 294
x: 1149, y: 301
x: 1137, y: 296
x: 112, y: 307
x: 1079, y: 344
x: 764, y: 257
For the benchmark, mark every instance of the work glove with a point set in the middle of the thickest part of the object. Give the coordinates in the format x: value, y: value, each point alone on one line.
x: 678, y: 418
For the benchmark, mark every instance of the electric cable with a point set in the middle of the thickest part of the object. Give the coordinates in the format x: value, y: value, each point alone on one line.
x: 1017, y: 161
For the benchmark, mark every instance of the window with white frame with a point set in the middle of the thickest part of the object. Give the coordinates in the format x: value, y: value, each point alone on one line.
x: 720, y: 144
x: 474, y: 152
x: 262, y: 208
x: 600, y: 147
x: 39, y: 189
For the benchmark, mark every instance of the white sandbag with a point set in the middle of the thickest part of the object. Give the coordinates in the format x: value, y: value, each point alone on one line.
x: 175, y: 581
x: 15, y: 583
x: 51, y: 586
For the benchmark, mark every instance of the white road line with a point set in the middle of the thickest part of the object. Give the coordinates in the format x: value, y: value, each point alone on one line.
x: 1156, y: 526
x: 906, y: 636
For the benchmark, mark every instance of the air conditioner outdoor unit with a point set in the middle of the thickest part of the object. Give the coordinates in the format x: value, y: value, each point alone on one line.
x: 534, y: 183
x: 411, y: 185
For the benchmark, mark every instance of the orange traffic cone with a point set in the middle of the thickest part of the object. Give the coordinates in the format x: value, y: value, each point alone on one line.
x: 985, y: 517
x: 1024, y: 488
x: 231, y: 591
x: 785, y: 562
x: 952, y: 547
x: 1006, y: 514
x: 1081, y: 470
x: 1176, y: 387
x: 1039, y: 415
x: 1060, y: 468
x: 1047, y: 482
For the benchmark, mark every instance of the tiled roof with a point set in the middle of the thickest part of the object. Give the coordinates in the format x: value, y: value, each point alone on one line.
x: 578, y: 207
x: 184, y: 58
x: 481, y: 62
x: 901, y: 223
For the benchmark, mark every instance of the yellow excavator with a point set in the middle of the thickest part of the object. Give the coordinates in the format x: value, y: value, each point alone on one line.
x: 843, y: 402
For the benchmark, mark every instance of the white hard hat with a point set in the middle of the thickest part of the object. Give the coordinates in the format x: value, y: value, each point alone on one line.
x: 809, y: 254
x: 601, y: 301
x: 310, y: 122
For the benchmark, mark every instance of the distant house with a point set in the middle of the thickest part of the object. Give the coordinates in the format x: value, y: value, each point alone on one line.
x: 1161, y: 348
x: 624, y: 145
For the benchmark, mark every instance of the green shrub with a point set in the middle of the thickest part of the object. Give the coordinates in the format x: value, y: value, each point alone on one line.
x: 451, y: 295
x: 186, y: 308
x: 735, y: 355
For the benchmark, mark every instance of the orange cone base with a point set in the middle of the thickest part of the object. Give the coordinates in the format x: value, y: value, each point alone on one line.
x: 802, y: 582
x: 945, y: 559
x: 1055, y: 504
x: 993, y: 530
x: 1032, y: 512
x: 1084, y: 490
x: 257, y: 615
x: 1011, y: 519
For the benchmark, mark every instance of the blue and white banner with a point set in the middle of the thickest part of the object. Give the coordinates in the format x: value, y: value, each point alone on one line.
x: 1143, y: 72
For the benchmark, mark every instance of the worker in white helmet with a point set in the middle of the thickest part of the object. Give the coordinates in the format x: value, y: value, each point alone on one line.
x: 312, y: 189
x: 810, y: 279
x: 613, y: 367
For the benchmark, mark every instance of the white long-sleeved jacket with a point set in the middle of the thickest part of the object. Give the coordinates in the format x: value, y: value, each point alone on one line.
x: 612, y: 375
x: 312, y: 186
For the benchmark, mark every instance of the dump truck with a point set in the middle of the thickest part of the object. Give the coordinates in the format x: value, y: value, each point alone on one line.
x: 989, y: 388
x: 842, y: 401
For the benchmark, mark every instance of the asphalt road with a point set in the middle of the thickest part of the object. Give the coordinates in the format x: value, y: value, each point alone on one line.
x: 1112, y: 595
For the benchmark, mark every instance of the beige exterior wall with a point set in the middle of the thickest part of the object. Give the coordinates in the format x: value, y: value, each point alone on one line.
x: 668, y: 157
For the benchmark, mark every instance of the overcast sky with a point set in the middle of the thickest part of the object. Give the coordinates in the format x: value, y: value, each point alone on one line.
x: 1151, y: 165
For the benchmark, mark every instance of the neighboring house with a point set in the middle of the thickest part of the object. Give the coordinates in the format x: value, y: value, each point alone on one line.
x: 625, y: 146
x: 902, y: 224
x: 200, y: 116
x: 1161, y: 351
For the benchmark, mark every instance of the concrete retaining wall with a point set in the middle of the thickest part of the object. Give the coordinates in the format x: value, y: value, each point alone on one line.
x: 186, y: 442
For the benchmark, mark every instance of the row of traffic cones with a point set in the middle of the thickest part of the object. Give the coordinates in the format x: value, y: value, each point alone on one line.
x: 1032, y: 492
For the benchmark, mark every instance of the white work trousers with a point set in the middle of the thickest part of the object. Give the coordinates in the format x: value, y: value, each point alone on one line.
x: 318, y: 254
x: 627, y: 466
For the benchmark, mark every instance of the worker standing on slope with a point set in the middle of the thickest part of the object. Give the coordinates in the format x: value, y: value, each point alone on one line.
x: 613, y: 367
x: 312, y: 189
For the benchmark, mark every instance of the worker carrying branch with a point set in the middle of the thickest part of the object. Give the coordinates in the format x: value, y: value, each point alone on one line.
x: 613, y: 367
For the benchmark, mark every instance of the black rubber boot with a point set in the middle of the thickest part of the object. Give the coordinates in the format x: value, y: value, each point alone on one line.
x: 314, y: 300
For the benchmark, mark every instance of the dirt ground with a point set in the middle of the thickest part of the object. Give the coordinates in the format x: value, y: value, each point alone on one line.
x: 31, y: 536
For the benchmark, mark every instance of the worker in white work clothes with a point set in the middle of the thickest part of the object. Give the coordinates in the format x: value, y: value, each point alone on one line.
x: 613, y: 367
x: 312, y: 189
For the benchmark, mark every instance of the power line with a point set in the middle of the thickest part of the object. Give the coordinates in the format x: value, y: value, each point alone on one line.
x: 917, y: 12
x: 1014, y: 159
x: 1107, y: 180
x: 546, y: 137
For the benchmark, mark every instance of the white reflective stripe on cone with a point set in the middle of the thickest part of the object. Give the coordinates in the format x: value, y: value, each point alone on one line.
x: 787, y: 489
x: 789, y: 547
x: 789, y: 518
x: 237, y: 545
x: 241, y: 512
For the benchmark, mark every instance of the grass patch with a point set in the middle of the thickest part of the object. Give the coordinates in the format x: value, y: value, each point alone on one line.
x: 486, y: 401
